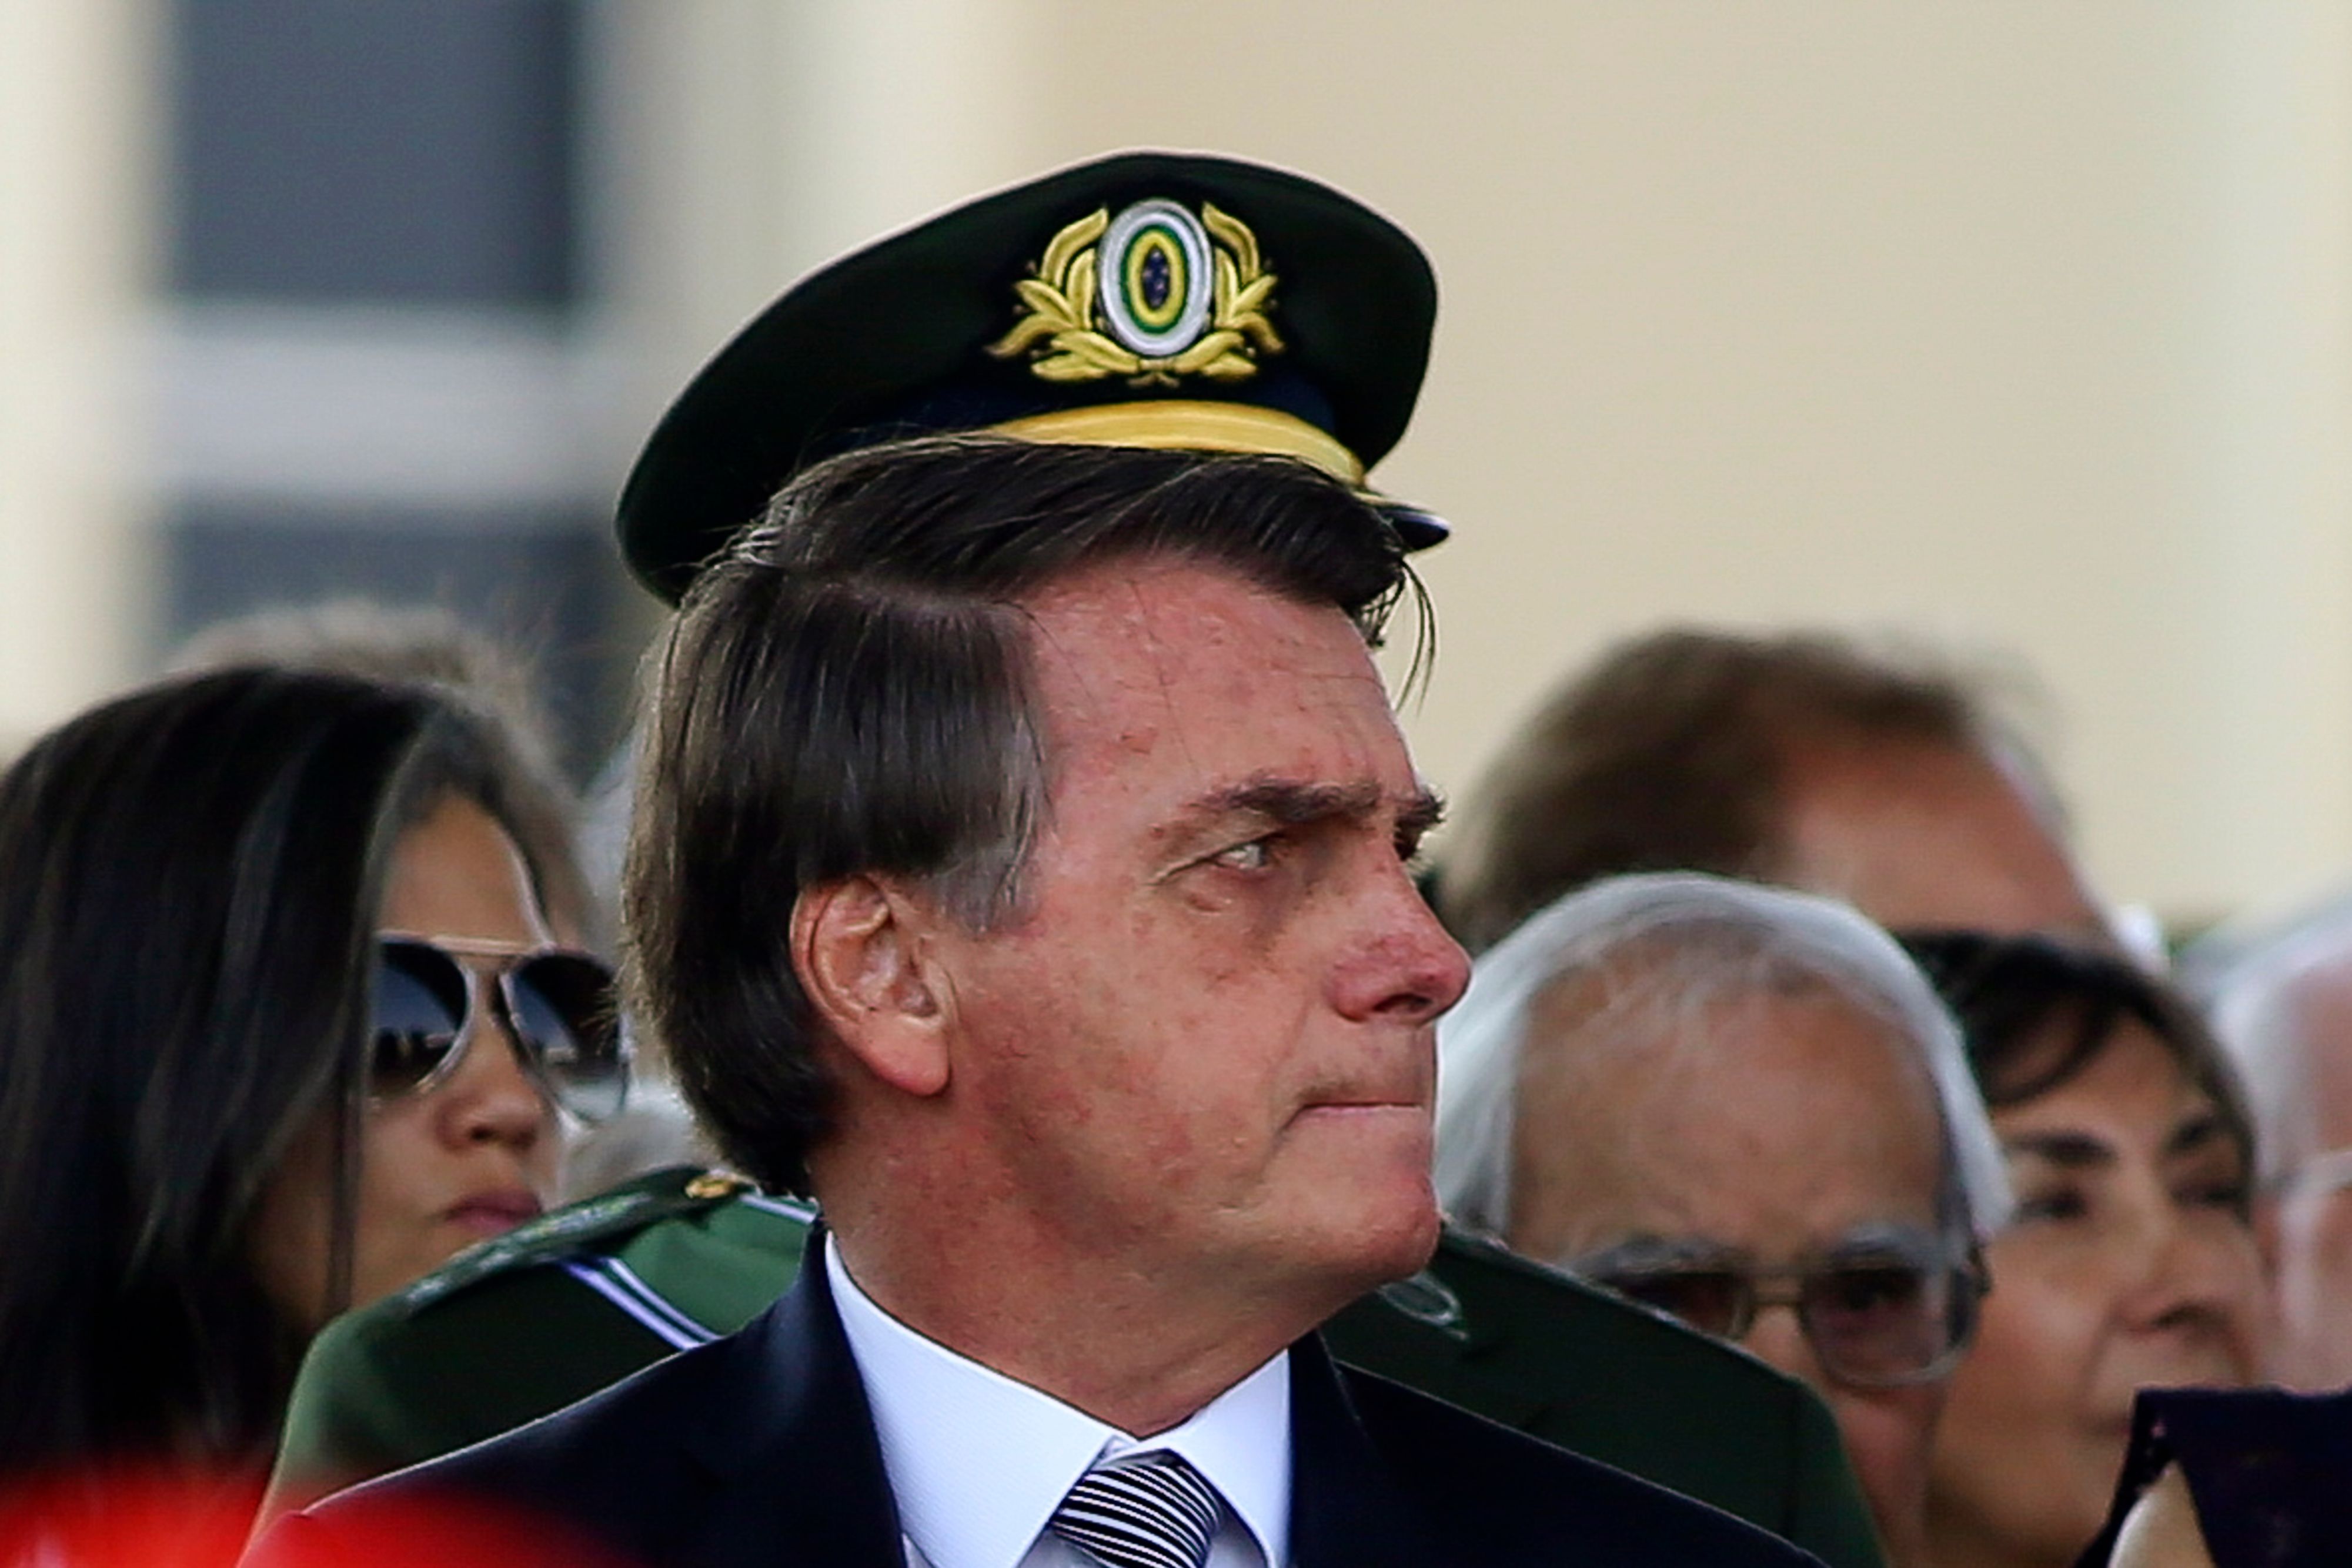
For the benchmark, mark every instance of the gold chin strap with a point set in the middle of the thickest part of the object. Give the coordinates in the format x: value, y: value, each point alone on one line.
x: 1192, y: 426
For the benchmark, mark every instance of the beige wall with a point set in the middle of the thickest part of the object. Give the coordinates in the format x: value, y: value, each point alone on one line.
x: 2018, y: 327
x: 75, y: 194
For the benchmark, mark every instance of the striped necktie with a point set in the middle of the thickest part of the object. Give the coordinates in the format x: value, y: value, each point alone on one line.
x: 1146, y: 1511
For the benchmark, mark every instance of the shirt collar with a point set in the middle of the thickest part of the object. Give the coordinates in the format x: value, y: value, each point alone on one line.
x: 979, y: 1462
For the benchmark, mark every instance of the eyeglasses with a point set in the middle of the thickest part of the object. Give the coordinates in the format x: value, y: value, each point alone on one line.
x: 1878, y: 1315
x: 556, y: 1005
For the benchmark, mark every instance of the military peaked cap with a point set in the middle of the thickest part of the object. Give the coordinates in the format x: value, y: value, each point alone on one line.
x: 1143, y: 300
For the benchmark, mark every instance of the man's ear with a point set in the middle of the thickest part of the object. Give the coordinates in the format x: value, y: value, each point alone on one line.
x: 857, y: 946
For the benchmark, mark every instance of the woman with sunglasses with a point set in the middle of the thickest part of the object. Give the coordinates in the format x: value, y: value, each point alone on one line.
x: 2130, y: 1262
x: 282, y: 1028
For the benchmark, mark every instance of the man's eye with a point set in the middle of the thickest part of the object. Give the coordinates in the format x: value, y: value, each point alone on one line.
x: 1254, y: 855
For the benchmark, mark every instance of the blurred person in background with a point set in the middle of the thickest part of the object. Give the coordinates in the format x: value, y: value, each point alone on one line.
x: 1802, y: 760
x: 2130, y: 1262
x: 282, y: 1027
x: 430, y: 645
x: 1744, y: 1107
x: 2282, y: 1008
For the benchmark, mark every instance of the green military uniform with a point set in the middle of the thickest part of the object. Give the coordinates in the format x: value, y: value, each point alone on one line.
x: 582, y: 1297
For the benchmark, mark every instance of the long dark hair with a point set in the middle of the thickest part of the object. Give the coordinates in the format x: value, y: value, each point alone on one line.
x: 189, y: 879
x: 2010, y: 992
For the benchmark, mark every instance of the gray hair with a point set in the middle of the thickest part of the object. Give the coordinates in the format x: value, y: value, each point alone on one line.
x: 2255, y: 999
x: 1705, y: 938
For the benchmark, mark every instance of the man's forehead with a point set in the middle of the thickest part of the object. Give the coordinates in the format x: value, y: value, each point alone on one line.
x: 1155, y: 632
x: 2321, y: 1002
x: 2319, y: 1014
x: 1928, y: 834
x: 1155, y: 589
x: 1167, y: 685
x: 1759, y: 1054
x: 1727, y: 1120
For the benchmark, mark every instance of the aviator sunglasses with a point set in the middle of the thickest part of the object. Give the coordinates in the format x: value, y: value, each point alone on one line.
x: 1878, y: 1316
x: 555, y: 1004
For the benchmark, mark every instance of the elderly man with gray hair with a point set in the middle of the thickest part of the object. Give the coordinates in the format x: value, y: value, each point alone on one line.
x: 1747, y: 1108
x: 2283, y: 1010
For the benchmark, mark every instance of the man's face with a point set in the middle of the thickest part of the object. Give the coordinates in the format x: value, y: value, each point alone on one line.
x: 1203, y: 1048
x: 1776, y: 1130
x: 1921, y: 836
x: 2308, y: 1221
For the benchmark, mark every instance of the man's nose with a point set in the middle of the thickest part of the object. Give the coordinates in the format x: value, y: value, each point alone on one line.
x: 1410, y: 969
x: 1777, y: 1338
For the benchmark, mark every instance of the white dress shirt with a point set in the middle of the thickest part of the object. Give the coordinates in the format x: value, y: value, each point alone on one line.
x: 978, y: 1462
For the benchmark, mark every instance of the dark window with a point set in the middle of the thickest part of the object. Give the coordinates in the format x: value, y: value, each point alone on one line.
x: 396, y: 150
x: 545, y: 584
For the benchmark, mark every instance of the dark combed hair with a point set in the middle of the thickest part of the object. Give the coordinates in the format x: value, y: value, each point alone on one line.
x: 847, y: 690
x: 1668, y: 755
x: 189, y: 881
x: 2013, y: 995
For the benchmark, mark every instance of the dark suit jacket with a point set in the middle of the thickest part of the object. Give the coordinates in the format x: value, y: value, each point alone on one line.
x: 757, y: 1451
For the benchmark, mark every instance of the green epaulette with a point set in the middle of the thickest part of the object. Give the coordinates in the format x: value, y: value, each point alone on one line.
x: 607, y: 1217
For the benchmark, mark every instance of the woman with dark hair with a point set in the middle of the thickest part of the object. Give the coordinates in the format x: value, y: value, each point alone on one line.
x: 2131, y: 1260
x: 282, y: 1028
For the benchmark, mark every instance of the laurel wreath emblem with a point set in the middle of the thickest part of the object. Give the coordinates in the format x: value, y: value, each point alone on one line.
x: 1059, y: 327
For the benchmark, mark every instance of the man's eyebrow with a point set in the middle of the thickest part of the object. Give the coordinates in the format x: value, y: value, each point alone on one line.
x: 2070, y: 1151
x: 1420, y: 814
x: 1654, y: 1254
x: 1289, y: 804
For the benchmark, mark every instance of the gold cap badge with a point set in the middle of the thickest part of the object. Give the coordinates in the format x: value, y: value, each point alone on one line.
x: 1153, y: 294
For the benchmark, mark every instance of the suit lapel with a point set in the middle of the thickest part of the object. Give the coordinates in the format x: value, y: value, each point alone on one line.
x: 801, y: 1481
x: 1346, y: 1510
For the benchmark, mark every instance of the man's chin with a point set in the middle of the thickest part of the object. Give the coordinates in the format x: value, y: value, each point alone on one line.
x: 1421, y: 1245
x: 1363, y: 1211
x: 1389, y: 1242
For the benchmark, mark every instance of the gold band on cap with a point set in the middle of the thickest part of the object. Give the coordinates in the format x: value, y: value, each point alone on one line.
x: 1192, y: 427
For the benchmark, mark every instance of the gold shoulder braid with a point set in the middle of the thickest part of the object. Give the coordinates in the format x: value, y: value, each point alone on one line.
x: 716, y: 1184
x: 1152, y: 294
